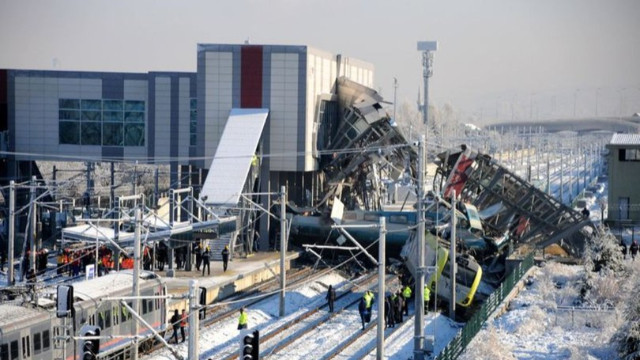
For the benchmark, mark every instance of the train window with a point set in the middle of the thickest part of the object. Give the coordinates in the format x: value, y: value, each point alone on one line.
x: 14, y: 349
x: 398, y: 219
x: 45, y: 340
x: 107, y: 318
x: 26, y: 347
x: 123, y: 313
x: 37, y: 344
x: 144, y: 307
x: 4, y: 352
x: 128, y: 313
x: 371, y: 217
x: 101, y: 320
x: 150, y: 305
x: 116, y: 318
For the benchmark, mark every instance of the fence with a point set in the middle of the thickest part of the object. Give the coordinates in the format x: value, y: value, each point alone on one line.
x: 462, y: 339
x: 591, y: 316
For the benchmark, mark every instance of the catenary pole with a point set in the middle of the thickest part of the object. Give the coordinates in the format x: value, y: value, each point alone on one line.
x: 12, y: 230
x: 418, y: 348
x: 283, y: 247
x: 32, y: 225
x: 381, y: 290
x: 452, y: 257
x: 136, y: 284
x: 194, y: 325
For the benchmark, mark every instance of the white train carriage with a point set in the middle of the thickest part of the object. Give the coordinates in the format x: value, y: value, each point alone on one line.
x: 28, y: 333
x: 112, y: 317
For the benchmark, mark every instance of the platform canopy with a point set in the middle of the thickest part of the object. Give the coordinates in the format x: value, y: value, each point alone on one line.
x: 89, y: 232
x: 232, y: 161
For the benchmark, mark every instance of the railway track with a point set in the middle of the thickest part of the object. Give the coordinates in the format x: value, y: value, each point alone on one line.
x: 279, y: 337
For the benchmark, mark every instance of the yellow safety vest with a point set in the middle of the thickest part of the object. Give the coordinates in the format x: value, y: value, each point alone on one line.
x: 406, y: 292
x: 427, y: 293
x: 243, y: 319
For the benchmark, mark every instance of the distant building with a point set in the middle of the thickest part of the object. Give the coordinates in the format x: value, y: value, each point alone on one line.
x: 624, y: 174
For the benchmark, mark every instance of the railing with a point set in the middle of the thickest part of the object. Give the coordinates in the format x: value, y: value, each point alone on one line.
x: 462, y: 339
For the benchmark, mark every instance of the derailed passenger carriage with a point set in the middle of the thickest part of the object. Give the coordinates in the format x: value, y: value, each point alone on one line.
x: 28, y: 332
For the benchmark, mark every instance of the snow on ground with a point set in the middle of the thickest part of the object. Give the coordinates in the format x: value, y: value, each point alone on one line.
x: 540, y: 323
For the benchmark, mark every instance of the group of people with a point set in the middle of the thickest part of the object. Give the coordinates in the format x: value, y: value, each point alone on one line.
x: 396, y: 305
x: 178, y: 322
x: 633, y: 249
x: 365, y: 306
x: 203, y: 257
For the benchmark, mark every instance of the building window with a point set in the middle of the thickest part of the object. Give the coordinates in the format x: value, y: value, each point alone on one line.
x: 629, y: 154
x: 101, y: 122
x: 193, y: 121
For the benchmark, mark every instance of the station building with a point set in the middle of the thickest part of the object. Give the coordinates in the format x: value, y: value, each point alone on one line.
x: 178, y: 118
x: 173, y: 117
x: 623, y: 171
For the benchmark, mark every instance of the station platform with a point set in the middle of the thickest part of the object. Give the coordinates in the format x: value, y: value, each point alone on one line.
x: 241, y: 274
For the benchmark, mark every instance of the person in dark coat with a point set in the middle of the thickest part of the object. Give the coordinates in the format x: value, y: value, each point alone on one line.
x: 585, y: 212
x: 175, y: 324
x: 197, y: 249
x: 623, y: 248
x: 362, y: 309
x: 399, y: 304
x: 225, y: 257
x: 183, y: 323
x: 205, y: 262
x: 389, y: 312
x: 634, y: 249
x: 331, y: 297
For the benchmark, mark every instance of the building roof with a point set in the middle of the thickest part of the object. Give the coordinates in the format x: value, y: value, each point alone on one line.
x: 625, y: 139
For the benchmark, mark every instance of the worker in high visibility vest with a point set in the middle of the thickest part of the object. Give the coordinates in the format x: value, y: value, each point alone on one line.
x: 242, y: 320
x: 406, y: 294
x: 427, y: 297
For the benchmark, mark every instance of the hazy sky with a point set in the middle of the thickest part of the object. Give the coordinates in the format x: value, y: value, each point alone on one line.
x: 496, y: 57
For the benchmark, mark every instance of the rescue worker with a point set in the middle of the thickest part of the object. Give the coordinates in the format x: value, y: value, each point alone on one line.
x: 205, y: 262
x: 60, y: 263
x: 198, y: 251
x: 389, y: 311
x: 585, y: 212
x: 225, y: 257
x: 406, y: 294
x: 634, y: 250
x: 242, y: 319
x: 369, y: 299
x: 623, y: 247
x: 427, y: 298
x: 183, y: 323
x: 399, y: 305
x: 331, y: 297
x: 175, y: 324
x: 362, y: 309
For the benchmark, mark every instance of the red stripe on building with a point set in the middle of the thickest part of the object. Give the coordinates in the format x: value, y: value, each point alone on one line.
x: 251, y: 77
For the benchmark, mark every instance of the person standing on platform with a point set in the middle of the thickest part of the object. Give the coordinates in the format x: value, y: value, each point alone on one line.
x: 242, y: 320
x: 406, y: 294
x: 389, y: 312
x: 399, y: 305
x: 205, y: 262
x: 175, y: 324
x: 634, y: 250
x: 362, y: 309
x: 369, y: 299
x: 427, y: 298
x: 331, y: 297
x: 197, y: 249
x: 183, y: 323
x: 225, y: 257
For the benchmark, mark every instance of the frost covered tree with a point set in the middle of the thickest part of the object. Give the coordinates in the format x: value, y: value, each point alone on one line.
x: 604, y: 268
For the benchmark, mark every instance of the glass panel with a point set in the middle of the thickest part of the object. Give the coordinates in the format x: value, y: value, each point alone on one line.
x: 193, y: 103
x: 193, y: 116
x: 193, y: 128
x: 4, y: 352
x: 36, y: 343
x: 144, y: 307
x: 91, y: 104
x: 133, y: 116
x: 14, y: 349
x: 91, y: 115
x: 45, y: 340
x: 112, y: 134
x: 112, y: 116
x: 193, y: 140
x: 113, y: 105
x: 107, y: 318
x: 69, y: 115
x: 69, y: 132
x: 134, y: 105
x: 91, y: 133
x: 69, y: 104
x: 134, y: 135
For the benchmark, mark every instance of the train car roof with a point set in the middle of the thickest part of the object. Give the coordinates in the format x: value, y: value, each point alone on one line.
x: 11, y: 315
x: 110, y: 284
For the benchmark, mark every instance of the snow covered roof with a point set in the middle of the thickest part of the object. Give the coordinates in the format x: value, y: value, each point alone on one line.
x: 625, y: 139
x: 89, y: 232
x: 107, y: 285
x: 14, y: 314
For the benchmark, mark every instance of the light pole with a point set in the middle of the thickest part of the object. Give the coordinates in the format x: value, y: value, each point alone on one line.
x: 395, y: 99
x: 427, y: 48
